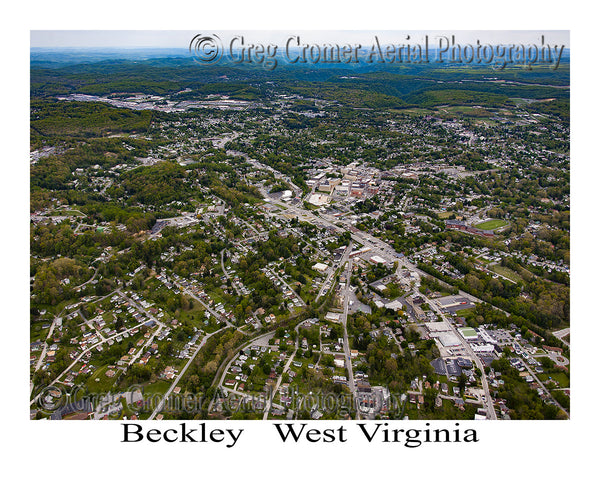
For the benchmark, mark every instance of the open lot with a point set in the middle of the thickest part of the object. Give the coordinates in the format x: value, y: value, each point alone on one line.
x: 491, y: 224
x: 506, y: 272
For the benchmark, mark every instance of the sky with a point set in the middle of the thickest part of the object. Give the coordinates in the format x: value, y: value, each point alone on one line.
x: 182, y: 38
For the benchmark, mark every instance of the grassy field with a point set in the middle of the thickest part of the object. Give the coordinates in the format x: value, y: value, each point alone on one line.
x: 67, y: 213
x: 491, y: 224
x: 506, y: 272
x: 561, y: 378
x: 103, y: 384
x: 413, y: 111
x: 467, y: 111
x: 466, y: 312
x: 158, y: 387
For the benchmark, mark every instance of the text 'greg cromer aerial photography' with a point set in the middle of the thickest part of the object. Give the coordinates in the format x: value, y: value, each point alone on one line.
x: 300, y: 225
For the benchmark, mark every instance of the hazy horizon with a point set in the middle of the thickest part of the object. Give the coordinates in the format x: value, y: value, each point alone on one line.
x: 168, y: 39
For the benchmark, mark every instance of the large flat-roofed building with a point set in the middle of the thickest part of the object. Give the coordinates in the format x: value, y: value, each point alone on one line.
x: 360, y: 252
x: 448, y: 339
x: 437, y: 327
x: 286, y: 196
x: 325, y: 187
x: 319, y: 200
x: 483, y: 348
x: 342, y: 189
x: 394, y: 305
x: 320, y: 267
x: 468, y: 333
x: 377, y: 259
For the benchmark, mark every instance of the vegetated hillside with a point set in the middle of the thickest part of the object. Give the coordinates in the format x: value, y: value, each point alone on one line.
x: 559, y: 107
x: 457, y: 97
x: 84, y: 119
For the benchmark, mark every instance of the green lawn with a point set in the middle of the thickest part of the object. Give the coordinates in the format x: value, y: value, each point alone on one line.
x: 469, y: 111
x: 491, y: 224
x: 561, y: 378
x: 67, y: 213
x: 159, y: 387
x: 104, y: 383
x: 506, y: 272
x: 467, y: 312
x: 468, y: 331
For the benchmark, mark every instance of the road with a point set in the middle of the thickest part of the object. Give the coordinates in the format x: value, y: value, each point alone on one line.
x: 227, y: 274
x: 152, y: 317
x: 57, y: 317
x: 344, y: 320
x: 215, y: 314
x: 233, y: 357
x: 324, y: 289
x: 560, y: 334
x: 90, y: 324
x: 161, y: 404
x: 285, y: 369
x: 303, y: 303
x: 535, y: 379
x: 43, y: 354
x: 488, y: 402
x: 80, y: 356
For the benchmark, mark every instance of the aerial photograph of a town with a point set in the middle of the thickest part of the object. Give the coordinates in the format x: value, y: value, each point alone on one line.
x: 293, y: 226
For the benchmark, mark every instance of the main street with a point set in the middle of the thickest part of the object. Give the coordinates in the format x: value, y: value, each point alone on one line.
x: 327, y: 284
x: 344, y: 320
x: 488, y: 402
x: 377, y: 246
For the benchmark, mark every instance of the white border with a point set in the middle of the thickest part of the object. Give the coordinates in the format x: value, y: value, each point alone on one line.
x: 555, y: 449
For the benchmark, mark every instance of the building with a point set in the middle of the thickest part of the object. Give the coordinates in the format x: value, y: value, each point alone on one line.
x: 286, y: 196
x: 457, y: 225
x: 320, y: 267
x: 468, y: 333
x: 318, y: 199
x: 376, y: 259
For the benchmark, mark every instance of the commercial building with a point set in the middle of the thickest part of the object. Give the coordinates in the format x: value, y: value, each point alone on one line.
x: 468, y: 333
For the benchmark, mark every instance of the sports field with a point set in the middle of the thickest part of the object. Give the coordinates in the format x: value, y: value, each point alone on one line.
x: 491, y: 224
